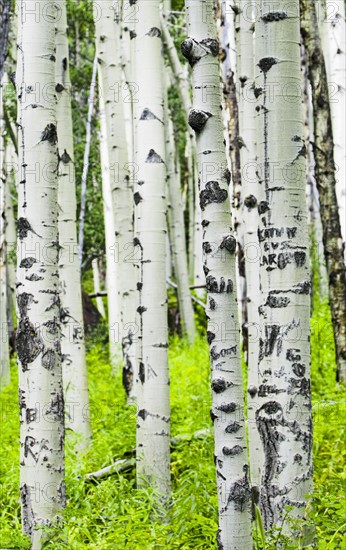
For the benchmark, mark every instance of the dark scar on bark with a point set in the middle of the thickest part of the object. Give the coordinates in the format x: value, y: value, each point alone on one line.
x: 232, y: 451
x: 274, y: 16
x: 219, y: 385
x: 147, y: 114
x: 29, y: 344
x: 50, y: 134
x: 266, y: 63
x: 24, y: 300
x: 212, y: 304
x: 143, y: 414
x: 154, y: 158
x: 207, y: 248
x: 212, y: 194
x: 49, y: 359
x: 232, y: 428
x: 141, y: 309
x: 250, y: 201
x: 229, y: 243
x: 141, y: 373
x: 56, y: 407
x: 198, y: 119
x: 210, y: 337
x: 23, y: 228
x: 227, y: 407
x: 137, y: 198
x: 59, y: 88
x: 154, y: 31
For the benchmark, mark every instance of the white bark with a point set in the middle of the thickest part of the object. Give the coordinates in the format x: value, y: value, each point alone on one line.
x: 111, y: 85
x: 335, y: 58
x: 219, y: 246
x: 153, y: 432
x: 97, y: 287
x: 41, y: 399
x: 10, y: 234
x: 75, y: 377
x: 4, y: 339
x: 249, y: 215
x: 111, y: 274
x: 178, y: 236
x: 283, y: 395
x: 86, y: 162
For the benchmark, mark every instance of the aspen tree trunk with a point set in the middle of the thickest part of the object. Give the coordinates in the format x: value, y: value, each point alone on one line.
x: 111, y: 85
x: 4, y: 339
x: 41, y: 401
x: 192, y: 205
x: 97, y: 287
x: 283, y: 395
x: 335, y: 60
x: 249, y: 215
x: 111, y: 264
x: 178, y: 236
x: 153, y: 428
x: 10, y: 235
x: 326, y: 182
x: 75, y: 376
x: 201, y: 49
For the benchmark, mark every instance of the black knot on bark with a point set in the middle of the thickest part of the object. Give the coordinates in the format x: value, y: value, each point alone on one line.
x: 229, y: 243
x: 250, y: 201
x: 207, y: 247
x: 232, y: 451
x: 219, y: 385
x: 154, y: 31
x: 212, y: 193
x: 274, y: 16
x: 59, y: 88
x: 154, y: 158
x: 23, y: 228
x: 50, y: 134
x: 212, y: 45
x: 198, y: 119
x: 266, y: 63
x: 252, y: 391
x: 186, y: 48
x: 137, y: 198
x: 65, y: 157
x: 263, y: 207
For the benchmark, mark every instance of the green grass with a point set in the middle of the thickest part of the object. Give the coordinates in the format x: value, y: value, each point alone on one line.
x: 113, y: 514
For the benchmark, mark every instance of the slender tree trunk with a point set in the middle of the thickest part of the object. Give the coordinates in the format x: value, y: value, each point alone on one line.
x: 11, y: 236
x: 97, y: 287
x: 41, y: 400
x: 178, y: 236
x: 86, y: 162
x: 5, y: 7
x: 283, y: 395
x: 75, y: 376
x: 335, y: 60
x: 249, y: 215
x: 219, y: 245
x: 153, y: 431
x: 326, y: 182
x: 4, y: 333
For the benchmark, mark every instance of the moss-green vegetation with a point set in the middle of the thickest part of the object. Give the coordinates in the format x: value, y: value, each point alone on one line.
x: 112, y: 514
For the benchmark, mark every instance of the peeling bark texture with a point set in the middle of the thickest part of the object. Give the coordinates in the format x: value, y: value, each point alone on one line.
x: 201, y: 49
x: 75, y: 377
x: 111, y: 86
x: 249, y: 216
x: 38, y: 307
x: 153, y: 427
x: 4, y: 333
x: 282, y: 397
x: 326, y: 181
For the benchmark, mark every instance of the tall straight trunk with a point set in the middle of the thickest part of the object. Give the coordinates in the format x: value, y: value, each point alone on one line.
x: 97, y: 286
x: 283, y: 394
x: 111, y: 265
x: 11, y: 236
x: 41, y: 400
x: 335, y: 60
x: 153, y: 418
x: 178, y: 235
x: 112, y: 86
x: 75, y: 377
x: 326, y: 182
x: 249, y: 214
x: 201, y: 49
x: 4, y: 340
x: 5, y: 10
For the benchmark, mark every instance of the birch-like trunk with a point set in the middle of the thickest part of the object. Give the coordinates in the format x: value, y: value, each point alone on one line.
x: 10, y: 235
x: 249, y: 215
x: 4, y: 339
x: 75, y: 376
x: 153, y: 418
x: 178, y: 237
x: 97, y: 287
x: 283, y: 394
x: 112, y: 88
x: 201, y: 49
x: 335, y: 59
x: 326, y: 182
x: 41, y: 400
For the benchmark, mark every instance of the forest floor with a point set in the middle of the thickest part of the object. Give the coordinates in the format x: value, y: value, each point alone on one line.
x: 113, y: 515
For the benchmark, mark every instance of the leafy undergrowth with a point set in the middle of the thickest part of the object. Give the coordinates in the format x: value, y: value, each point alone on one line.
x: 112, y: 514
